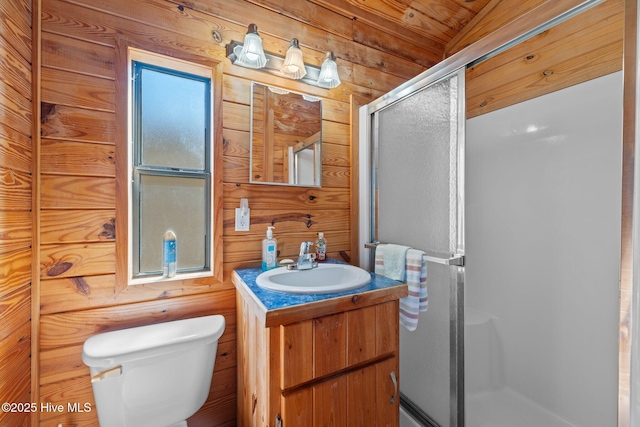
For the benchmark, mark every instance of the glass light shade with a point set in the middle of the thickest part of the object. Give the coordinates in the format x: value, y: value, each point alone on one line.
x: 293, y: 66
x: 251, y: 55
x: 329, y: 77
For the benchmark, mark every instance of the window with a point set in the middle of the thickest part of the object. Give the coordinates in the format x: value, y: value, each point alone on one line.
x: 171, y: 166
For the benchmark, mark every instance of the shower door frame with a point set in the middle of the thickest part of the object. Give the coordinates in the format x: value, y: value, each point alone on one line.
x: 454, y: 258
x: 529, y: 25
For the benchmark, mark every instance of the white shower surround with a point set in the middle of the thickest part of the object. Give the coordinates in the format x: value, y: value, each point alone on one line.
x: 543, y: 256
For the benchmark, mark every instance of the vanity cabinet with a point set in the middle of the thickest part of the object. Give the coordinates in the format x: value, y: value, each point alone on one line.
x: 340, y: 370
x: 326, y: 363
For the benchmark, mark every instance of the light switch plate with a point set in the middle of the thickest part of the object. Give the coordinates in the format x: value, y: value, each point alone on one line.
x: 242, y: 222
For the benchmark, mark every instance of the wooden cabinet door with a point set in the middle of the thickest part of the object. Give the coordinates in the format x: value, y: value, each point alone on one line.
x: 297, y: 408
x: 348, y: 362
x: 387, y: 393
x: 296, y: 354
x: 329, y: 344
x: 361, y: 397
x: 330, y: 403
x: 364, y: 397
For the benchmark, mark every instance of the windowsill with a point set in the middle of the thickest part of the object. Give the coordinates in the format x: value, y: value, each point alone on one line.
x: 176, y: 278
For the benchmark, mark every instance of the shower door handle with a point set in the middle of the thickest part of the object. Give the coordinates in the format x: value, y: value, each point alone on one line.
x: 455, y: 260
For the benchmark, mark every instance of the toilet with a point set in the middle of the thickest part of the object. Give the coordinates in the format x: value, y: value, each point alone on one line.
x: 153, y: 376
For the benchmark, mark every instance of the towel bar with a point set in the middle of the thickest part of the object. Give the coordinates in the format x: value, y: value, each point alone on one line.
x: 455, y: 260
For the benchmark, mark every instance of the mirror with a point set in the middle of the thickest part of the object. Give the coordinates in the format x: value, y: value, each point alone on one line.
x: 285, y: 137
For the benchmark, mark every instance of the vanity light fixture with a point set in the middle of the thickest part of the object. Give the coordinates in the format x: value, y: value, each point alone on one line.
x: 329, y: 77
x: 251, y: 54
x: 293, y: 66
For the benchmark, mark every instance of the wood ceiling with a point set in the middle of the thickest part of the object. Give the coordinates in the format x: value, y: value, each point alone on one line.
x: 430, y: 25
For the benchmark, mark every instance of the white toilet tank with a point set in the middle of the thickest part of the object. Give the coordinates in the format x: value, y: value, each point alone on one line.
x: 153, y: 376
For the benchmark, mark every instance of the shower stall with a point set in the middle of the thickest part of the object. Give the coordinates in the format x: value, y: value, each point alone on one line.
x: 521, y: 210
x: 543, y: 217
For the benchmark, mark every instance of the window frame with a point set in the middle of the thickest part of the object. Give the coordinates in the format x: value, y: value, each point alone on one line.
x: 125, y: 155
x: 140, y: 170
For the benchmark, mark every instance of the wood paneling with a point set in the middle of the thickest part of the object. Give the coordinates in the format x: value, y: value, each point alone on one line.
x: 427, y: 25
x: 15, y: 67
x: 69, y: 226
x: 15, y: 231
x: 16, y: 216
x: 15, y: 351
x: 16, y: 309
x: 575, y: 51
x: 16, y: 16
x: 15, y: 149
x: 71, y: 54
x: 494, y: 15
x: 15, y: 190
x: 67, y: 88
x: 78, y: 259
x: 77, y: 124
x: 16, y: 108
x: 15, y: 269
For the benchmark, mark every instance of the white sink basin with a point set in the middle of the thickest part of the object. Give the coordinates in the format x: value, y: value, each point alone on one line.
x: 327, y: 278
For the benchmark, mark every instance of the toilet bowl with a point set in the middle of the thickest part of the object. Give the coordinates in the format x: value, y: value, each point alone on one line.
x: 153, y: 376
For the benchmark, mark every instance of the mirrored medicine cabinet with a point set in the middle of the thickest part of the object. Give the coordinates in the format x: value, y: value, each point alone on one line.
x: 286, y: 137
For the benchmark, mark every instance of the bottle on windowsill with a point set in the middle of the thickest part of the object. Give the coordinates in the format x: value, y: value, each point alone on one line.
x: 169, y: 254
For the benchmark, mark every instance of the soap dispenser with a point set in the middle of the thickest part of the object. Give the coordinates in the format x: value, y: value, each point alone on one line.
x: 269, y: 250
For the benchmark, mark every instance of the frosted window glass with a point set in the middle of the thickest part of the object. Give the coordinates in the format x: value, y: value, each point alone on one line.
x: 415, y: 188
x: 173, y: 120
x: 176, y: 203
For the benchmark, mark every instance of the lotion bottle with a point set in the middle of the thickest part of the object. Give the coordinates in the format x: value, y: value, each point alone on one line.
x: 269, y: 250
x: 321, y: 248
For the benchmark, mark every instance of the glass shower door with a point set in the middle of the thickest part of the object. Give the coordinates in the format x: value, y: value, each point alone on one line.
x: 417, y: 202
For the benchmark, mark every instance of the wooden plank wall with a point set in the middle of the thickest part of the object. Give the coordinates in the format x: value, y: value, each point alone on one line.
x: 16, y: 219
x: 582, y: 48
x: 79, y: 294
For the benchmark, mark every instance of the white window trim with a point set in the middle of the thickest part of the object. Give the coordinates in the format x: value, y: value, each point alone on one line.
x: 134, y: 54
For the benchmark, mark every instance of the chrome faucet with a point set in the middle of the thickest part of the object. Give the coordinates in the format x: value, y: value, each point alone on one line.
x: 306, y: 259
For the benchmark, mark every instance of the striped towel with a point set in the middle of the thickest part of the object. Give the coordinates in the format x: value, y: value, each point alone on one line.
x: 417, y: 300
x: 416, y: 278
x: 378, y: 266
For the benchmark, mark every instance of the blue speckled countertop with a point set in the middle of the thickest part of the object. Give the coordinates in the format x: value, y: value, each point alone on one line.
x: 271, y: 300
